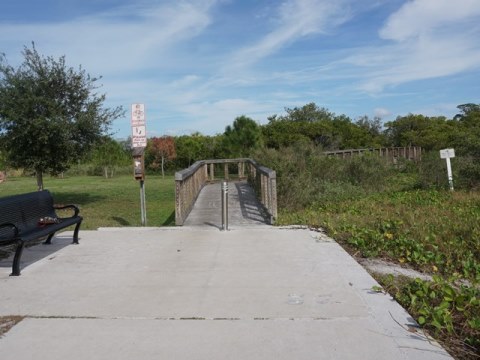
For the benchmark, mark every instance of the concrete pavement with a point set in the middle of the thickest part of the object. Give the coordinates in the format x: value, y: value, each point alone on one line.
x: 199, y: 293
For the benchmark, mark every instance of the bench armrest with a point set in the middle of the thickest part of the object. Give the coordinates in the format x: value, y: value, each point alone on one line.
x: 12, y: 226
x: 71, y: 206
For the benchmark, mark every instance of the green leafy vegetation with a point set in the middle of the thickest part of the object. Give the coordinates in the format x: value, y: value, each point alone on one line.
x: 445, y: 307
x: 50, y: 115
x: 431, y: 230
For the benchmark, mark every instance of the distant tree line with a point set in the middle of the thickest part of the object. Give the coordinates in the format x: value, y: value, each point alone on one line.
x: 306, y: 125
x: 52, y: 118
x: 312, y: 125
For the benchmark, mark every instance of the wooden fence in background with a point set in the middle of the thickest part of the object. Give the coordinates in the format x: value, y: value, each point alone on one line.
x: 413, y: 153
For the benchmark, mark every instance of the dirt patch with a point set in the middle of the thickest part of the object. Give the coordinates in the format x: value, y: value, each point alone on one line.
x: 7, y: 322
x: 384, y: 268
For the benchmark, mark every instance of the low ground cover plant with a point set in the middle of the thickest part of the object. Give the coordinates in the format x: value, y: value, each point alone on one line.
x: 435, y: 232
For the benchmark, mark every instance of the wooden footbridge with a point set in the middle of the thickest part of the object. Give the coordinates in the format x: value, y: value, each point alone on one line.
x: 252, y: 188
x: 252, y: 193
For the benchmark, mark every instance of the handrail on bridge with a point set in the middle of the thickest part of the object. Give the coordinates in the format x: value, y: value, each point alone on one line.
x: 392, y: 153
x: 190, y: 181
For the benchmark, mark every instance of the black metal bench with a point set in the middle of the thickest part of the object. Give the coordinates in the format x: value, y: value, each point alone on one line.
x: 20, y: 221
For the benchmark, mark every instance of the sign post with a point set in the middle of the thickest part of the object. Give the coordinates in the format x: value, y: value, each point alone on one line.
x: 139, y: 143
x: 447, y: 154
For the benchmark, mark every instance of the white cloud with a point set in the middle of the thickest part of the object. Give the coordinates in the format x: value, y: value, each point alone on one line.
x: 430, y: 39
x: 125, y: 38
x: 295, y: 19
x: 421, y: 17
x: 381, y: 112
x: 211, y: 117
x: 185, y: 81
x: 177, y: 57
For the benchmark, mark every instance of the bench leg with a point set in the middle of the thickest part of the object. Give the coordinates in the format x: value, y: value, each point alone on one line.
x: 75, y: 233
x: 16, y: 259
x: 49, y: 239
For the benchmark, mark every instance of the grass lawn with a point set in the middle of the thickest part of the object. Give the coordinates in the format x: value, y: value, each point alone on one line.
x: 106, y: 202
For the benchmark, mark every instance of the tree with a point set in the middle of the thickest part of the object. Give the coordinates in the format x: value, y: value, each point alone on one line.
x: 243, y: 136
x: 372, y: 130
x: 190, y: 148
x: 50, y: 114
x: 162, y: 149
x: 467, y: 140
x: 3, y: 172
x: 468, y: 112
x: 318, y: 126
x: 431, y: 133
x: 309, y: 113
x: 109, y: 154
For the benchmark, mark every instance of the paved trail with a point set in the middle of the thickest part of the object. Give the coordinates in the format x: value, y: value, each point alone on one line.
x: 255, y: 292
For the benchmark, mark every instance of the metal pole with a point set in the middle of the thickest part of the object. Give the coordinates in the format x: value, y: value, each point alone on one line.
x: 142, y: 203
x: 224, y: 205
x: 449, y: 172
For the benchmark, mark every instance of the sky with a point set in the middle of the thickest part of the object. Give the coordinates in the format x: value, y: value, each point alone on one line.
x: 199, y: 64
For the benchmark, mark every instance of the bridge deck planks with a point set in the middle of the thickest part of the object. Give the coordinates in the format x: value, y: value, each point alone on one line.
x: 243, y: 207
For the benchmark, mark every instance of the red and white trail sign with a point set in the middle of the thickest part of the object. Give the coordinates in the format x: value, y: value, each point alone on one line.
x: 139, y: 133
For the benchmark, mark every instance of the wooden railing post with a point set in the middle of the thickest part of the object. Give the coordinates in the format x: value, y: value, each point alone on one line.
x: 225, y: 168
x: 212, y: 171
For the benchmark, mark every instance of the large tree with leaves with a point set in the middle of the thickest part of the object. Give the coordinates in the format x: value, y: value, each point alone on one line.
x: 50, y: 114
x: 316, y: 125
x: 160, y: 151
x: 110, y: 154
x: 242, y: 137
x: 467, y: 141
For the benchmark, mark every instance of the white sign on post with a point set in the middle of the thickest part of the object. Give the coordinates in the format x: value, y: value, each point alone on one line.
x: 447, y: 154
x: 139, y: 134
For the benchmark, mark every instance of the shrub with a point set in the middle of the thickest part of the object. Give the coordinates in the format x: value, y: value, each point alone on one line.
x: 305, y: 176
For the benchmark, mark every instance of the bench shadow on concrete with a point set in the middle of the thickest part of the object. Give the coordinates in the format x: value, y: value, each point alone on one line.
x: 35, y: 251
x: 251, y: 208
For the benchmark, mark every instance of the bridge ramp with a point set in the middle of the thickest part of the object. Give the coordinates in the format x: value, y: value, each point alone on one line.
x: 243, y: 207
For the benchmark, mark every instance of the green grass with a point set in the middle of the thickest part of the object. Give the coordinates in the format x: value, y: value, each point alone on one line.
x: 106, y: 202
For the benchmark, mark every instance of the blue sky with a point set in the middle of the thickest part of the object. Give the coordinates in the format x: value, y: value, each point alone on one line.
x: 198, y: 64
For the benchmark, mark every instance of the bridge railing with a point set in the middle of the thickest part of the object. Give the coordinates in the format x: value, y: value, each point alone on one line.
x: 189, y: 182
x: 392, y: 153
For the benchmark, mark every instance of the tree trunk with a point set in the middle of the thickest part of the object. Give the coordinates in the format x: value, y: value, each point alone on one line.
x: 39, y: 180
x: 105, y: 172
x: 163, y: 173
